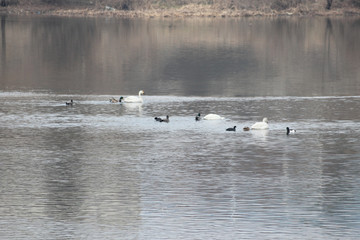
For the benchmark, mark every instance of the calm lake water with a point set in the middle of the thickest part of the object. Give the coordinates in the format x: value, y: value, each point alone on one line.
x: 101, y: 170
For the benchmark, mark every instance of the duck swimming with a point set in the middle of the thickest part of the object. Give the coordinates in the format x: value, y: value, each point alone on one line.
x: 69, y: 103
x: 233, y: 129
x: 113, y: 100
x: 289, y: 131
x: 246, y: 129
x: 158, y: 119
x: 261, y: 125
x: 166, y: 119
x: 197, y: 118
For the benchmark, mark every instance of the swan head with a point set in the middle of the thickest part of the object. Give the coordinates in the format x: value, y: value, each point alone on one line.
x: 141, y: 92
x: 265, y: 120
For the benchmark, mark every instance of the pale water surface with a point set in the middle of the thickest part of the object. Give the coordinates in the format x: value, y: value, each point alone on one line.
x: 97, y: 170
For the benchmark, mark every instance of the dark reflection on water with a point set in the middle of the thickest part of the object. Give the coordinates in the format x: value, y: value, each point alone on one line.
x: 201, y: 57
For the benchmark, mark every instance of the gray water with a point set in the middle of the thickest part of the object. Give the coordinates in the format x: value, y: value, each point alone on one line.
x: 101, y: 170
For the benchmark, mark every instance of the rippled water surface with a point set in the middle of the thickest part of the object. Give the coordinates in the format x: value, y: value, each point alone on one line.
x: 107, y: 171
x: 101, y: 170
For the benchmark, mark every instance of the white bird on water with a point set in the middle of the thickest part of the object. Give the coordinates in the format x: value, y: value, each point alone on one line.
x: 261, y: 125
x: 212, y: 116
x: 134, y: 99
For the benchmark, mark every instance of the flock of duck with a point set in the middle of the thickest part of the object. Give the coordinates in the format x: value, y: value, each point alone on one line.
x: 263, y: 125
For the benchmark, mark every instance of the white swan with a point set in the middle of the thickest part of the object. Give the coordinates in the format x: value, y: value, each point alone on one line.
x: 261, y: 125
x: 134, y: 99
x: 213, y: 117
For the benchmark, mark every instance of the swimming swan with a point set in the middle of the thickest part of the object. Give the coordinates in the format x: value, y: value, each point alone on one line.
x: 212, y: 117
x: 134, y: 99
x: 261, y: 125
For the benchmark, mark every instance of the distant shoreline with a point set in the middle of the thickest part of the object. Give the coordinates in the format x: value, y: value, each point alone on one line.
x: 191, y: 10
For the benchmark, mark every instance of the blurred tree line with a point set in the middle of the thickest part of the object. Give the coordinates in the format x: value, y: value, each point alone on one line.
x: 225, y: 4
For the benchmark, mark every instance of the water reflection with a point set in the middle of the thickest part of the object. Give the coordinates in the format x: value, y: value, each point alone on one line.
x: 132, y: 108
x: 62, y: 173
x: 260, y: 134
x: 3, y: 47
x: 227, y: 57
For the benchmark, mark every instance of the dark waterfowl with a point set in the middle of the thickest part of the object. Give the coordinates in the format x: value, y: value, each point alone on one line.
x: 246, y: 129
x: 69, y: 103
x: 233, y: 129
x: 158, y: 119
x: 289, y: 131
x: 197, y: 118
x: 113, y: 100
x: 166, y: 119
